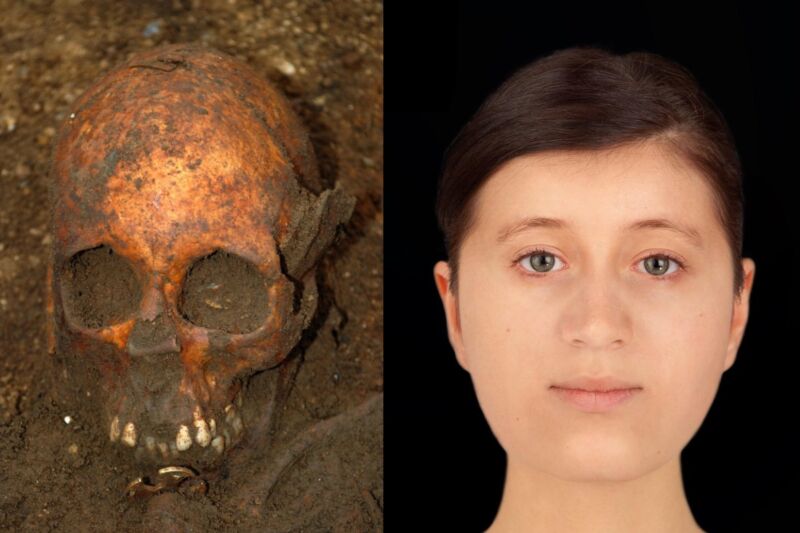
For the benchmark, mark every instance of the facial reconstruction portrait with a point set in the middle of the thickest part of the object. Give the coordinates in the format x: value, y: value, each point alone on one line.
x: 591, y: 271
x: 210, y: 299
x: 594, y: 290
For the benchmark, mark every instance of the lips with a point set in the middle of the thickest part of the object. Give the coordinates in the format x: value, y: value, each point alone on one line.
x: 596, y: 395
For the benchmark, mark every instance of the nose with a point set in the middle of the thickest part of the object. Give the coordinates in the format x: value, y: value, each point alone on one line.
x: 596, y: 319
x: 154, y: 332
x: 150, y: 337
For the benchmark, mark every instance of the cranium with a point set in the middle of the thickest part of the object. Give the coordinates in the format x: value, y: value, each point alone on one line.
x: 185, y: 245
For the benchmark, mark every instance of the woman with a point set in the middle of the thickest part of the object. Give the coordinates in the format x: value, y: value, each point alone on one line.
x: 595, y: 289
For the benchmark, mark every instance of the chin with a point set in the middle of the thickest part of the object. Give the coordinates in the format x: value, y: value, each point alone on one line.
x: 601, y: 458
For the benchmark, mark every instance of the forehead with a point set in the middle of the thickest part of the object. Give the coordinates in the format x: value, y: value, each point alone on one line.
x: 598, y: 191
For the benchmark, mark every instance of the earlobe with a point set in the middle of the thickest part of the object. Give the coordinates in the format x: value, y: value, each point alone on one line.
x: 441, y: 275
x: 741, y: 311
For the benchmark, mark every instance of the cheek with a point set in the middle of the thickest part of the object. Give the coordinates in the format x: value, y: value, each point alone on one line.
x: 689, y: 349
x: 507, y: 336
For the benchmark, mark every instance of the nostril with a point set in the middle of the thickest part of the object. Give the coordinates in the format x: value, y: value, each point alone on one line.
x: 152, y: 337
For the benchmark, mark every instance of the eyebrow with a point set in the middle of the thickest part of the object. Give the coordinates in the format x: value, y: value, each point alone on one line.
x: 688, y: 233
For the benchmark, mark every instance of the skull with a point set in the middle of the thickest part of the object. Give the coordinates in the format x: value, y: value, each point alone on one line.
x: 186, y: 233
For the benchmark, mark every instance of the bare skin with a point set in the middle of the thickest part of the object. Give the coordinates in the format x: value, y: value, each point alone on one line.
x: 584, y: 266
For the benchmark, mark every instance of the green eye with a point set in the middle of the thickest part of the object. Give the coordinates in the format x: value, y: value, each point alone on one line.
x: 538, y: 261
x: 659, y: 265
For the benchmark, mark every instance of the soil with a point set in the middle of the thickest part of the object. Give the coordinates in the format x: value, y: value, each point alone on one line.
x: 317, y: 465
x: 100, y: 288
x: 225, y: 292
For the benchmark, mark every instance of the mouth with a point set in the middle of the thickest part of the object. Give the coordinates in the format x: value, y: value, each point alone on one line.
x: 204, y: 438
x: 596, y: 395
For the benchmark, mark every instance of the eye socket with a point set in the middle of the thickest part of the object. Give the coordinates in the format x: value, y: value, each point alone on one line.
x: 100, y: 288
x: 225, y: 292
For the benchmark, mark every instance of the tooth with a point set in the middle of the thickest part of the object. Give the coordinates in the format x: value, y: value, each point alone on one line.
x: 203, y: 438
x: 230, y: 414
x: 162, y: 446
x: 114, y: 433
x: 229, y: 408
x: 212, y: 424
x: 150, y: 442
x: 129, y: 434
x: 183, y: 441
x: 219, y: 444
x: 236, y: 422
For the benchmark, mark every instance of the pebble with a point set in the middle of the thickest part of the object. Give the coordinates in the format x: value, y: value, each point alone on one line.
x: 8, y: 124
x: 285, y: 67
x: 73, y: 449
x: 67, y: 420
x: 152, y: 28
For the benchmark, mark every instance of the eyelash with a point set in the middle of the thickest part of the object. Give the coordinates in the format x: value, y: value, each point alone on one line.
x: 537, y: 251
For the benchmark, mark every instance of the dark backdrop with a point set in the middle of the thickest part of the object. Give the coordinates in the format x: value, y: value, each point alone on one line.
x: 443, y: 466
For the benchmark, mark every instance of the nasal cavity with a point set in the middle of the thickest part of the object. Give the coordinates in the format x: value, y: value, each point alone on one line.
x: 150, y: 337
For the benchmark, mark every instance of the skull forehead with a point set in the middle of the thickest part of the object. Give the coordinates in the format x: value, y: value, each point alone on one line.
x: 177, y: 140
x: 160, y: 222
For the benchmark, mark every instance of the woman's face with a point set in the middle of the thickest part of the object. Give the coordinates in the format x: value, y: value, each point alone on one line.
x: 595, y: 309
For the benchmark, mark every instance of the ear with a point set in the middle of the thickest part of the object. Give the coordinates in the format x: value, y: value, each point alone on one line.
x: 741, y: 309
x: 442, y: 275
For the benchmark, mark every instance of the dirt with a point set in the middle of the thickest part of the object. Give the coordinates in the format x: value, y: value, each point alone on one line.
x: 225, y: 292
x: 317, y: 465
x: 100, y: 288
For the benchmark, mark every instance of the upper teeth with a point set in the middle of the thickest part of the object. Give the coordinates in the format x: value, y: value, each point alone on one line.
x: 182, y: 440
x: 129, y: 434
x: 205, y: 433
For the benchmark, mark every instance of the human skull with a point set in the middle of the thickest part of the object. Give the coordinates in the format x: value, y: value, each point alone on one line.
x: 185, y: 245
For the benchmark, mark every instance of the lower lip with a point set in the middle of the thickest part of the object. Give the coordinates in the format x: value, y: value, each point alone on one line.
x: 595, y: 401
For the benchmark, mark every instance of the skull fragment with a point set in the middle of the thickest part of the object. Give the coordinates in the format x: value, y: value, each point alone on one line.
x: 188, y: 219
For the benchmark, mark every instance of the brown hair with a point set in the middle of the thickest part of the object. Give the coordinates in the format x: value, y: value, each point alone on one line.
x: 591, y: 99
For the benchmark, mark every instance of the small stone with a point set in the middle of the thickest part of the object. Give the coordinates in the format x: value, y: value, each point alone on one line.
x: 73, y: 449
x: 68, y: 420
x: 22, y: 170
x: 152, y: 28
x: 285, y: 67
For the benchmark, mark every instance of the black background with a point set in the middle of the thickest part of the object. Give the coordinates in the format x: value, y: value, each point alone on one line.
x: 443, y: 467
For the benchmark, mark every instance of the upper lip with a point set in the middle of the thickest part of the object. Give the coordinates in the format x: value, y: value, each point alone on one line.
x: 596, y: 384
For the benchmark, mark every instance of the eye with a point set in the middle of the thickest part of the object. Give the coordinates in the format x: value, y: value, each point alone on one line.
x: 539, y: 261
x: 226, y: 292
x: 100, y: 288
x: 661, y: 265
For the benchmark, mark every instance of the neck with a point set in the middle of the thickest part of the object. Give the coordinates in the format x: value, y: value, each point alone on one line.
x: 536, y: 501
